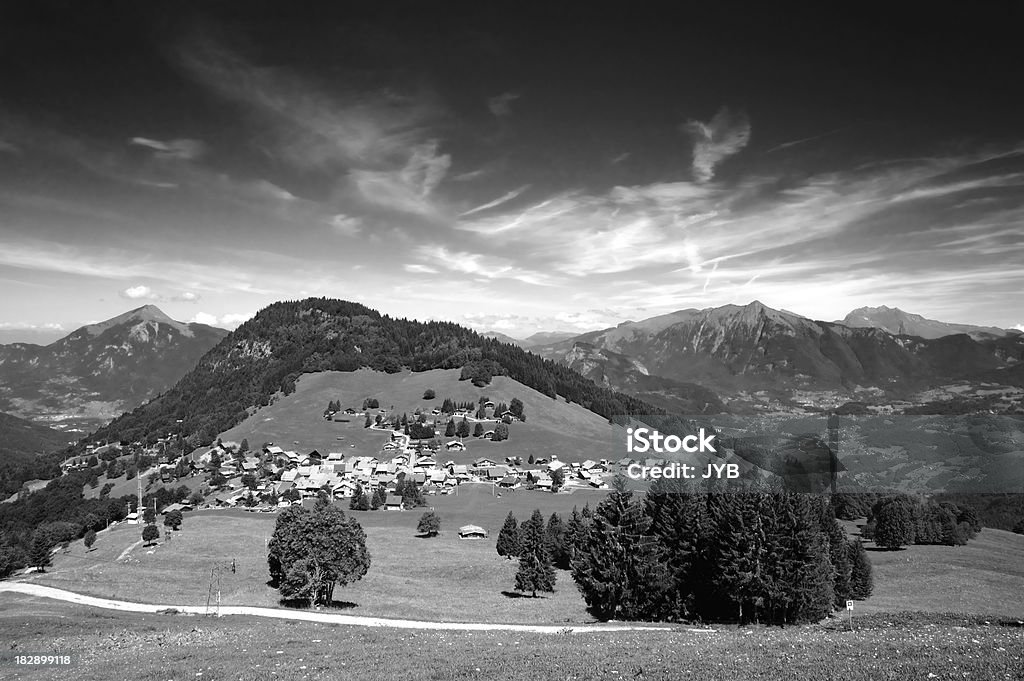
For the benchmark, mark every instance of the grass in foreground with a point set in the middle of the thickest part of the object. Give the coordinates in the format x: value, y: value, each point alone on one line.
x: 160, y: 647
x: 447, y: 578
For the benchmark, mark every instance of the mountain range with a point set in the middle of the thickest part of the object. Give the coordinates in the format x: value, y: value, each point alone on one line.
x: 898, y: 322
x: 101, y: 370
x: 735, y: 348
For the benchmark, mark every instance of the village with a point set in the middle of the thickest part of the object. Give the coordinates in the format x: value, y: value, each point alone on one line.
x: 422, y: 455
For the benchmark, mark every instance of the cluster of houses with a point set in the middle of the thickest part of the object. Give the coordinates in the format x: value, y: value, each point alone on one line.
x: 278, y: 472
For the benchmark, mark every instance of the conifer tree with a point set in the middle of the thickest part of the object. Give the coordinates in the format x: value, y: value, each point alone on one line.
x: 449, y: 430
x: 463, y: 428
x: 838, y: 553
x: 861, y: 581
x: 679, y: 520
x: 617, y: 568
x: 536, y: 573
x: 40, y: 550
x: 555, y: 532
x: 508, y: 538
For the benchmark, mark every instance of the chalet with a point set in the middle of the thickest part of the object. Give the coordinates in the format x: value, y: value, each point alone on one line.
x: 544, y: 482
x: 393, y: 502
x: 496, y: 473
x: 484, y: 462
x: 289, y: 476
x: 508, y: 416
x: 555, y: 465
x: 488, y: 435
x: 273, y: 450
x: 472, y: 531
x: 455, y: 445
x: 176, y: 507
x: 509, y: 482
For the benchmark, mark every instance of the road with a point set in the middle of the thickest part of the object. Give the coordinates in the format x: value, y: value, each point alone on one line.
x: 330, y: 618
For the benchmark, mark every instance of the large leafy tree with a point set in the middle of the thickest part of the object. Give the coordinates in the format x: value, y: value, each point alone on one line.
x: 536, y: 572
x: 312, y: 550
x: 429, y: 524
x: 894, y: 525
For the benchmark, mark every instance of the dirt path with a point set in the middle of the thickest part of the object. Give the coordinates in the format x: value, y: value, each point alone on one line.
x: 353, y: 620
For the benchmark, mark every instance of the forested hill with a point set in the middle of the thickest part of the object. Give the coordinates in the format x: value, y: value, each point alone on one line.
x: 267, y: 354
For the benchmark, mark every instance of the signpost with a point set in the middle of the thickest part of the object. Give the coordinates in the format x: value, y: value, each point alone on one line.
x: 849, y: 609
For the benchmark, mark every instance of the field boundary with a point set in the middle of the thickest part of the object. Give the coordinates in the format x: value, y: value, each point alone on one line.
x: 327, y: 618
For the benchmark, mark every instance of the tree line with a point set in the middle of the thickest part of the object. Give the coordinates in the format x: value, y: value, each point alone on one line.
x: 679, y: 554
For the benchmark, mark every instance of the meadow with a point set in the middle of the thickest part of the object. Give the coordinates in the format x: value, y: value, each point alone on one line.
x: 448, y: 578
x: 552, y: 427
x: 112, y: 645
x: 440, y: 578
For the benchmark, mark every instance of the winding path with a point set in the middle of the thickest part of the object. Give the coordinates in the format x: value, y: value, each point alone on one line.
x: 277, y: 613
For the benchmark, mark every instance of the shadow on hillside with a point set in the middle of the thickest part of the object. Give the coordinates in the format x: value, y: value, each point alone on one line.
x: 882, y: 549
x: 516, y: 594
x: 301, y: 604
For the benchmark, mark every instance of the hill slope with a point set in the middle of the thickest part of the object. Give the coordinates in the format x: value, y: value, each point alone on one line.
x: 21, y: 444
x: 101, y: 370
x: 295, y: 421
x: 266, y: 355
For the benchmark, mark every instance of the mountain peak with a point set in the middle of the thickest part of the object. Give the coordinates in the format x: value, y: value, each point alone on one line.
x: 146, y: 313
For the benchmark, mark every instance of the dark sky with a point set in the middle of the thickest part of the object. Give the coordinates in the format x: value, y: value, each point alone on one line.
x: 506, y: 167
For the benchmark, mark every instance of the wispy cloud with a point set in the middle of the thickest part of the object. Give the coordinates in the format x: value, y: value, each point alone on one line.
x: 724, y: 135
x: 515, y: 193
x: 501, y: 105
x: 177, y: 149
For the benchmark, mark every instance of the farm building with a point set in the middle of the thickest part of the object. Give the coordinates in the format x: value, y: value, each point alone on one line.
x: 472, y: 531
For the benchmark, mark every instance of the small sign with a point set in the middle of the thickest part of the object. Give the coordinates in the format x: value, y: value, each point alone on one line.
x: 849, y: 605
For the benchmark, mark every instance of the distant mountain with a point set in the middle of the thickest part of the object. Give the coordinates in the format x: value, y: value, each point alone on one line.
x: 101, y: 370
x: 498, y: 336
x: 627, y: 375
x: 547, y: 338
x: 898, y: 322
x: 263, y: 358
x: 23, y: 445
x: 753, y: 347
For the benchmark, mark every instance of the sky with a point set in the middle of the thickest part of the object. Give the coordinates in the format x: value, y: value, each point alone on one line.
x: 505, y: 168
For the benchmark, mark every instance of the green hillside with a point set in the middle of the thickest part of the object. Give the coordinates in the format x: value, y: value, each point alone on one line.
x: 295, y: 421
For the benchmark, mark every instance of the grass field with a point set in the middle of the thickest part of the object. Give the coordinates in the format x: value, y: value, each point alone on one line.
x: 552, y: 426
x: 447, y: 578
x: 443, y: 578
x: 160, y: 647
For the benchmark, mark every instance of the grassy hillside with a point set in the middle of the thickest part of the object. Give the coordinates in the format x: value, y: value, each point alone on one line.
x: 552, y: 425
x: 21, y: 445
x: 985, y: 576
